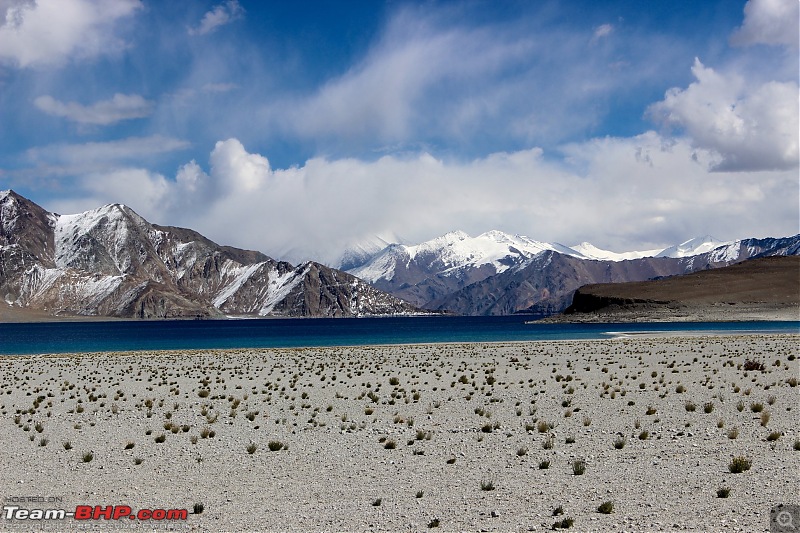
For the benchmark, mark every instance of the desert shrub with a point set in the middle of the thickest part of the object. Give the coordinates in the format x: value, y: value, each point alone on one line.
x: 739, y: 464
x: 606, y: 507
x: 750, y: 364
x: 564, y: 523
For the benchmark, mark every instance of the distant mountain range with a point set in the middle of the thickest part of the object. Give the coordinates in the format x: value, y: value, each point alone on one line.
x: 112, y: 262
x: 497, y: 274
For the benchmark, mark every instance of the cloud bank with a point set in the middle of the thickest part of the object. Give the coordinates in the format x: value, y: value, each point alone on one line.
x: 661, y: 189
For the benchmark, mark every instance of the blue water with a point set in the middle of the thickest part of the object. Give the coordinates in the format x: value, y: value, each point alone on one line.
x: 63, y: 337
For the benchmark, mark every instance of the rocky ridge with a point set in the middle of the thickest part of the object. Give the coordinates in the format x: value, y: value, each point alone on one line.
x: 112, y: 262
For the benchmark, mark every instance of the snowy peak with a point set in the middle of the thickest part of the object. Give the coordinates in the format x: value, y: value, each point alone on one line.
x: 359, y: 252
x: 690, y: 248
x: 696, y: 246
x: 450, y: 254
x: 112, y: 262
x: 590, y: 251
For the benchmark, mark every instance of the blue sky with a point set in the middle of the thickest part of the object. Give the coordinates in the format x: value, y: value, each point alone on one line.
x: 299, y: 128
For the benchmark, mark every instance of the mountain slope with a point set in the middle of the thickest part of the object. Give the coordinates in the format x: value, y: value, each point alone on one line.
x: 427, y: 272
x: 767, y: 286
x: 111, y: 262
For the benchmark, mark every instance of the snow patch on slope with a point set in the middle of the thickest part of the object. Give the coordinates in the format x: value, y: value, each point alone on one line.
x: 279, y: 288
x: 69, y: 229
x: 240, y: 275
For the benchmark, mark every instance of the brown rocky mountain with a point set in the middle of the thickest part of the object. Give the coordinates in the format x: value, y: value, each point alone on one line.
x: 767, y: 287
x: 111, y: 262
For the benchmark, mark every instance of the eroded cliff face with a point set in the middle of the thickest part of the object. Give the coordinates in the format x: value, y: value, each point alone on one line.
x: 112, y: 262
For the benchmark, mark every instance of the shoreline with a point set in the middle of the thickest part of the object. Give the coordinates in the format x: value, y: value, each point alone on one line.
x: 470, y: 425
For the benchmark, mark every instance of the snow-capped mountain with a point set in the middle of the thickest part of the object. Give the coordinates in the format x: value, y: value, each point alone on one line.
x: 696, y: 246
x: 590, y: 251
x: 111, y: 262
x: 452, y: 253
x: 497, y: 273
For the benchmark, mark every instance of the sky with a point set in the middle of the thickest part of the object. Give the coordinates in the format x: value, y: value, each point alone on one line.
x: 301, y: 128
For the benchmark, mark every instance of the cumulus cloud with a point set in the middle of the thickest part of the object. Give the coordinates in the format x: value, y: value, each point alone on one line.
x: 53, y: 31
x: 645, y: 191
x: 221, y: 15
x: 771, y: 22
x: 751, y: 126
x: 105, y: 112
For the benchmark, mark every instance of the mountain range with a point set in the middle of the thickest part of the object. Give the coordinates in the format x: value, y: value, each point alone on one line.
x: 497, y: 274
x: 111, y: 262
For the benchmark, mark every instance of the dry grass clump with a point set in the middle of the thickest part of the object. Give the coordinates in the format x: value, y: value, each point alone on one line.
x: 606, y: 507
x: 739, y: 464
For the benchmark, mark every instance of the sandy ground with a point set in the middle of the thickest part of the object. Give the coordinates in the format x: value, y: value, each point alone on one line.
x: 408, y: 438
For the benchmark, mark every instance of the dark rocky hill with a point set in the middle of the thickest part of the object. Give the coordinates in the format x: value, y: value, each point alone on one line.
x: 111, y: 262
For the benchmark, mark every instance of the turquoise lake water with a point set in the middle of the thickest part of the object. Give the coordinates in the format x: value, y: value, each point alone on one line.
x: 65, y: 337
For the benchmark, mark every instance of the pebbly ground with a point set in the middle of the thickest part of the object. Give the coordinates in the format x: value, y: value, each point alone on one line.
x: 406, y: 438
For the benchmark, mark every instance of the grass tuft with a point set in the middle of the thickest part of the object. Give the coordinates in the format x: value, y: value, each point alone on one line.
x: 740, y: 464
x: 606, y: 507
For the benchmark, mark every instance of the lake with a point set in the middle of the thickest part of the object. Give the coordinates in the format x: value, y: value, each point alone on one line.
x: 97, y: 336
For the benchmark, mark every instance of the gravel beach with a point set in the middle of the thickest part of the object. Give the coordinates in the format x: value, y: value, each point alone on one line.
x: 446, y: 437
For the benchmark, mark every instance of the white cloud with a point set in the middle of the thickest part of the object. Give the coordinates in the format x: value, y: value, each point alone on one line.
x: 105, y: 152
x: 643, y: 192
x: 105, y: 112
x: 604, y: 30
x: 53, y: 31
x: 772, y: 22
x: 429, y: 80
x: 752, y: 126
x: 221, y: 15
